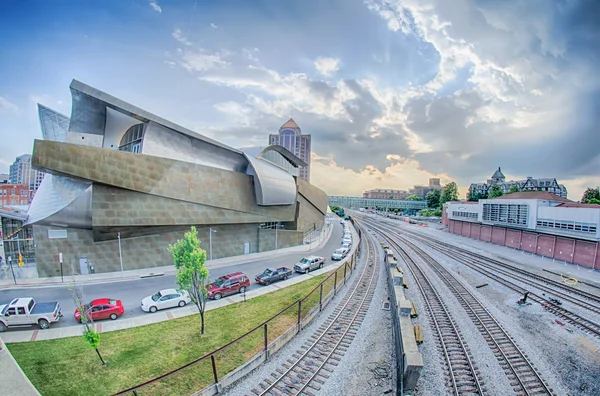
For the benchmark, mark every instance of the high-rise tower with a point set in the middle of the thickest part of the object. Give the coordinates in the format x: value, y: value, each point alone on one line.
x: 290, y: 136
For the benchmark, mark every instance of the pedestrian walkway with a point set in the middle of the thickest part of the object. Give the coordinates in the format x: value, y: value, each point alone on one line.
x: 190, y: 309
x: 316, y: 243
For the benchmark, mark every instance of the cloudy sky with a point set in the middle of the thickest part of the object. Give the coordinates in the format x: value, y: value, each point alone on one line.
x: 392, y: 91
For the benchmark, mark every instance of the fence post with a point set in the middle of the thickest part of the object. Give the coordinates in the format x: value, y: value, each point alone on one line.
x: 335, y: 283
x: 299, y: 314
x: 214, y: 367
x: 266, y: 340
x: 321, y: 298
x: 345, y: 268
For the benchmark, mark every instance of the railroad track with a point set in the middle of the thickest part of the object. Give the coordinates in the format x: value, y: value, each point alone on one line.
x: 586, y: 325
x: 311, y: 365
x: 462, y: 373
x: 522, y: 374
x: 502, y: 265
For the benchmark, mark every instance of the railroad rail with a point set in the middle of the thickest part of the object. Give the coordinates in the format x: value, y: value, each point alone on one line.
x: 463, y: 374
x: 501, y: 264
x: 310, y: 367
x: 521, y: 372
x: 586, y: 325
x: 500, y: 269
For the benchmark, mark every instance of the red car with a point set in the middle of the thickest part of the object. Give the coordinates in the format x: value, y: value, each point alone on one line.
x: 237, y: 282
x: 102, y: 308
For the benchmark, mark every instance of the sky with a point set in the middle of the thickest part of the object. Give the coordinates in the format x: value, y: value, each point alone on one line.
x: 393, y: 92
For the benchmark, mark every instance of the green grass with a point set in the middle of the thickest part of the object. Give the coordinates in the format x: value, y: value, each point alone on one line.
x: 68, y: 366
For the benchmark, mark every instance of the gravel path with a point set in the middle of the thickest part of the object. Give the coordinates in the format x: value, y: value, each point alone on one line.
x: 245, y: 386
x: 368, y: 366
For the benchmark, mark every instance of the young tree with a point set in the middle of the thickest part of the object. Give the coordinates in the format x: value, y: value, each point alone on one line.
x: 433, y: 198
x: 414, y: 198
x: 89, y: 334
x: 450, y: 193
x: 494, y: 191
x: 590, y: 193
x: 594, y: 201
x: 514, y: 189
x: 192, y: 275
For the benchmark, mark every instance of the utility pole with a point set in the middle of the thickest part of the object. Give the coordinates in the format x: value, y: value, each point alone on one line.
x: 210, y: 241
x: 120, y: 254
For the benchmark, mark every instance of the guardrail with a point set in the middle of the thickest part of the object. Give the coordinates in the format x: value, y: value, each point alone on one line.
x: 227, y: 364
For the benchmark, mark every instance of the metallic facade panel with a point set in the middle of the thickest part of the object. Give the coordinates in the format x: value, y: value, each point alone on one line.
x: 272, y: 185
x: 277, y: 159
x: 56, y: 193
x: 88, y: 114
x: 53, y: 124
x: 163, y: 142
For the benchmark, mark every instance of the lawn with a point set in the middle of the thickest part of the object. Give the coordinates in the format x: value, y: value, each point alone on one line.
x: 68, y: 366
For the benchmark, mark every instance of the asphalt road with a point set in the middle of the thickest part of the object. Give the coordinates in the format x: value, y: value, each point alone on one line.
x: 131, y: 292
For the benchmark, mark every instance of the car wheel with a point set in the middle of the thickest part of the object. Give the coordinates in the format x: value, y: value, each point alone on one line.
x: 153, y: 309
x: 218, y: 296
x: 44, y: 324
x: 242, y: 289
x: 285, y: 277
x: 321, y: 265
x: 113, y: 316
x: 2, y: 327
x: 182, y: 303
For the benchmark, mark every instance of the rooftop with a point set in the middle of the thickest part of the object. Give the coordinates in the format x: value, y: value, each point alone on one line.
x: 578, y: 205
x: 290, y: 124
x: 534, y: 195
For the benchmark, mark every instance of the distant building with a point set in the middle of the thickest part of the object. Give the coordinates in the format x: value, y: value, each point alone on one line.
x: 386, y: 194
x: 480, y: 190
x: 21, y: 172
x: 421, y: 191
x: 14, y: 194
x: 4, y: 178
x: 290, y: 136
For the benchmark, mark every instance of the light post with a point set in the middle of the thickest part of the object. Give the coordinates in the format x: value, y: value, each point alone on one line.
x: 210, y: 241
x: 120, y: 254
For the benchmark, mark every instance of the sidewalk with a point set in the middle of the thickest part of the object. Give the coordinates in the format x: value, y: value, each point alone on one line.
x: 321, y: 241
x: 161, y: 316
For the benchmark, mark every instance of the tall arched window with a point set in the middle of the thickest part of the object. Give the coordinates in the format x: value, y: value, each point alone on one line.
x: 132, y: 140
x: 287, y: 139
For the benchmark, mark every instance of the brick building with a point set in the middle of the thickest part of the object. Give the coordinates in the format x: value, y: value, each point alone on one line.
x: 480, y: 190
x: 386, y: 194
x: 537, y: 222
x: 421, y: 191
x: 14, y: 194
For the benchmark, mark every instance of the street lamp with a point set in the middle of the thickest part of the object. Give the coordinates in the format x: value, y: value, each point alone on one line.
x: 210, y: 241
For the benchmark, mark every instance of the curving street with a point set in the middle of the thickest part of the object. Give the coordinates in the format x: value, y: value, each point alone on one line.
x: 131, y: 292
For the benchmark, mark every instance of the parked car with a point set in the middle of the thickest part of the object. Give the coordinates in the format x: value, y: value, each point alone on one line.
x: 309, y: 263
x: 339, y: 254
x: 271, y: 275
x: 347, y: 241
x: 26, y: 312
x: 342, y: 221
x: 101, y: 308
x: 345, y: 246
x: 236, y: 282
x: 164, y: 299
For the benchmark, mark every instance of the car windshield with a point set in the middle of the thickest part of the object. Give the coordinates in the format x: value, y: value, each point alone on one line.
x: 305, y: 261
x: 219, y: 282
x: 156, y: 296
x: 338, y: 251
x: 268, y: 271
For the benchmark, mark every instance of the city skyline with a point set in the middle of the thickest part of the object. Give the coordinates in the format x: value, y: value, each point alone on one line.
x: 478, y: 89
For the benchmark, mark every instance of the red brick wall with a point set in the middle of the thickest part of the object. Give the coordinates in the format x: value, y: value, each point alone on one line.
x: 581, y: 252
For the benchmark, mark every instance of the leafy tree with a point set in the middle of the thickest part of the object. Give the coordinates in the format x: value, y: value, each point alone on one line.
x: 89, y: 334
x: 590, y: 193
x: 431, y: 212
x: 494, y: 191
x: 414, y: 198
x: 514, y: 189
x: 450, y: 193
x: 594, y: 201
x: 192, y: 275
x: 433, y: 198
x: 334, y: 209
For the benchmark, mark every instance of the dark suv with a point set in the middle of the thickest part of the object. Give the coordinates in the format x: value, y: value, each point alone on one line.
x: 236, y: 282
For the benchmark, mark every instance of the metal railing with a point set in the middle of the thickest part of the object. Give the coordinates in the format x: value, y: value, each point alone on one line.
x: 259, y: 342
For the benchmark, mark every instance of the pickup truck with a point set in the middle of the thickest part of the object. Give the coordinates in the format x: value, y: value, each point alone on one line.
x: 309, y: 263
x: 26, y: 312
x: 271, y: 275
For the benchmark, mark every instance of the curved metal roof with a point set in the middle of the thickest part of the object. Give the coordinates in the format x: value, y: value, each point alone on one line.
x: 272, y: 185
x: 287, y: 154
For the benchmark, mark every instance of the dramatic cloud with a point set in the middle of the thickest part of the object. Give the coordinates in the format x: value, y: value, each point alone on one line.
x: 155, y: 6
x: 327, y: 66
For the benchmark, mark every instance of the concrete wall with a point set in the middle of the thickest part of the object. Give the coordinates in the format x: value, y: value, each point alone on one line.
x: 147, y: 251
x: 571, y: 250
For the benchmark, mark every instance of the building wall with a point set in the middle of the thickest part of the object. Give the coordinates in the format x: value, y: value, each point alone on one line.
x: 147, y: 251
x: 14, y: 194
x: 570, y: 250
